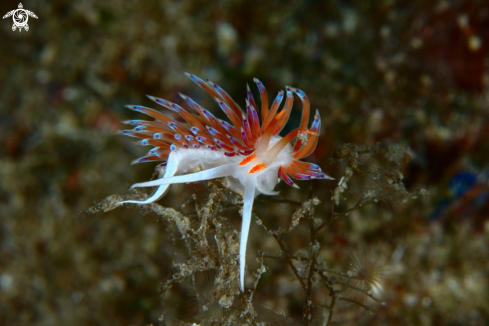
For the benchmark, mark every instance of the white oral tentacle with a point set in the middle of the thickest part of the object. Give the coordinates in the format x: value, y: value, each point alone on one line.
x: 170, y: 170
x: 217, y: 172
x: 159, y: 193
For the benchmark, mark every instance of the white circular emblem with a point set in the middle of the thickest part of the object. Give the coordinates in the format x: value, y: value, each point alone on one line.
x: 20, y: 17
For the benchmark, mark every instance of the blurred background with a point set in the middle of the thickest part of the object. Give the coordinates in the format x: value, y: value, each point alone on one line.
x: 408, y: 72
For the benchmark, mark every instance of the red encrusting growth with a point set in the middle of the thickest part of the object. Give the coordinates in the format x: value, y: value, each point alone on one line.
x: 243, y: 136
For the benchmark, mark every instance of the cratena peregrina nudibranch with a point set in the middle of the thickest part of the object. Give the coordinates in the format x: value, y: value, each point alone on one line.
x: 247, y: 152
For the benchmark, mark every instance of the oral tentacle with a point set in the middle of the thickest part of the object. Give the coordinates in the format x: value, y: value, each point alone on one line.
x: 217, y: 172
x: 159, y: 193
x: 170, y: 169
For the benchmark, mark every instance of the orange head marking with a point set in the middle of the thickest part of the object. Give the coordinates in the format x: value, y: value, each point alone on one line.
x: 257, y: 168
x: 247, y: 159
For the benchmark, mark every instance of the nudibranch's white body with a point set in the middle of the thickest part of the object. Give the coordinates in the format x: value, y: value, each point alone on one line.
x: 249, y: 154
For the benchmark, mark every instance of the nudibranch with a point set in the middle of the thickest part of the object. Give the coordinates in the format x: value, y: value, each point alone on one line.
x: 248, y: 153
